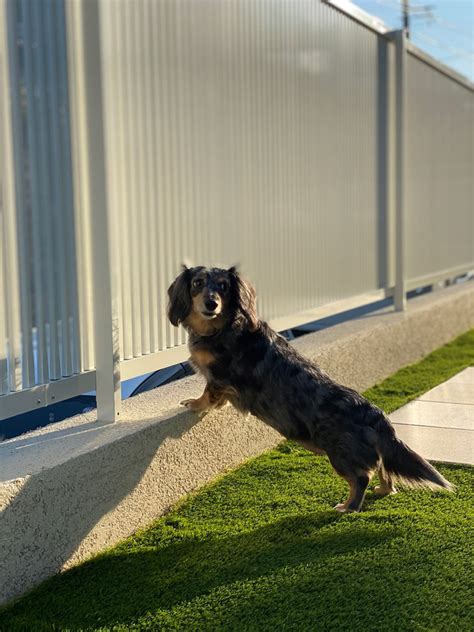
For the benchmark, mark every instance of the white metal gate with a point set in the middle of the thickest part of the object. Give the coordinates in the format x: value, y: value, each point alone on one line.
x: 288, y: 136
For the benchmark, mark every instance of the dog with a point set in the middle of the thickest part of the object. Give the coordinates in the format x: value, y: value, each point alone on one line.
x: 249, y: 365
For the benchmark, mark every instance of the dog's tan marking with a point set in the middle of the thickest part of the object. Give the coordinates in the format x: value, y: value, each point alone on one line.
x: 230, y: 391
x: 202, y: 358
x: 202, y: 326
x: 311, y: 447
x: 386, y: 486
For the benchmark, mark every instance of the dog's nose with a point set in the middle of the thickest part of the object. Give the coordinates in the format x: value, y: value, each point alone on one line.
x: 210, y: 304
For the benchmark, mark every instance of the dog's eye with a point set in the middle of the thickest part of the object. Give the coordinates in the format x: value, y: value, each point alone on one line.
x: 223, y: 286
x: 197, y: 283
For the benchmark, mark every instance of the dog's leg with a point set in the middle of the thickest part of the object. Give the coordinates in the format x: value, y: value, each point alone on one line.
x: 211, y: 398
x: 357, y: 476
x: 386, y: 486
x: 357, y: 486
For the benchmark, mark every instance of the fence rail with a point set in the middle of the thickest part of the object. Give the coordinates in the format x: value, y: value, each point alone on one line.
x: 301, y: 138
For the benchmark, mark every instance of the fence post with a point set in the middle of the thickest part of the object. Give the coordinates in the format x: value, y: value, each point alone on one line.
x: 400, y: 140
x: 85, y: 66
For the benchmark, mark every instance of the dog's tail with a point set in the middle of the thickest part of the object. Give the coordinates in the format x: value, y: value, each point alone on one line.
x: 401, y: 463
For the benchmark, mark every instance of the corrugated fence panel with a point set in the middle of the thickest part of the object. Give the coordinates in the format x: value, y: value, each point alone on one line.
x: 241, y: 132
x: 44, y: 191
x: 439, y: 171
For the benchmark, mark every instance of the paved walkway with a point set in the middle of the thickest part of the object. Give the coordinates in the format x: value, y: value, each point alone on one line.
x: 440, y: 424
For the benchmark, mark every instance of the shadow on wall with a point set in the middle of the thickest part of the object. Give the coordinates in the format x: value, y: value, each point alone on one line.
x: 60, y: 506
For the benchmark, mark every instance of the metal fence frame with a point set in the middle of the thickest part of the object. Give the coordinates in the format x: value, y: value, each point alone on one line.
x: 100, y: 311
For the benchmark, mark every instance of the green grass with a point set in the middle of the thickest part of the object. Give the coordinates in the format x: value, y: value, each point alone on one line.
x: 260, y: 549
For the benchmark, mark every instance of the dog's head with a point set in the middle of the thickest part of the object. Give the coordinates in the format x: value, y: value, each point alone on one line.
x: 208, y: 299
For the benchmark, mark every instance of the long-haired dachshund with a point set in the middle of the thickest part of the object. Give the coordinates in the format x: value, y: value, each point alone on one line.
x: 245, y: 362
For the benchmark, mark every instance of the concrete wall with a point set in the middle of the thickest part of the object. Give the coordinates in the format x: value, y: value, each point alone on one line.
x: 73, y: 488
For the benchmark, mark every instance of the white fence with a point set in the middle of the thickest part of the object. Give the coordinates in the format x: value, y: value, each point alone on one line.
x: 329, y: 157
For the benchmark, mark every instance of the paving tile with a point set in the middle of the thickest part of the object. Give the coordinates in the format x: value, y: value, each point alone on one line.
x: 440, y: 414
x: 465, y: 377
x: 439, y: 444
x: 450, y: 392
x: 439, y: 425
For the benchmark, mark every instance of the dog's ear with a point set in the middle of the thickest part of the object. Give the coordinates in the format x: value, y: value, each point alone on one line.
x: 246, y: 298
x: 179, y: 304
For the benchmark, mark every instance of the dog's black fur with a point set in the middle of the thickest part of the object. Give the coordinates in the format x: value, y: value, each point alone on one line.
x: 246, y: 362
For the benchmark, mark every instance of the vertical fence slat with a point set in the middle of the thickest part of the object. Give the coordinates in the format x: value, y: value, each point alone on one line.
x: 119, y: 46
x: 400, y: 142
x: 50, y: 290
x: 151, y: 177
x: 70, y: 350
x: 15, y: 39
x: 10, y: 349
x: 158, y: 259
x: 73, y: 67
x: 39, y: 203
x: 4, y: 341
x: 4, y: 329
x: 58, y: 312
x: 111, y: 149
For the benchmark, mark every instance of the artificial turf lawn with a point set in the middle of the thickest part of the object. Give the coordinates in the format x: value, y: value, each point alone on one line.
x: 260, y: 549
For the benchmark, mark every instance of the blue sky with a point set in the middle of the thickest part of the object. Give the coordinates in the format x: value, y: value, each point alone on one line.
x: 446, y: 32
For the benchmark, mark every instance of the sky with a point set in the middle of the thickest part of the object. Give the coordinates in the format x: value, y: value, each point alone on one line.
x: 443, y: 28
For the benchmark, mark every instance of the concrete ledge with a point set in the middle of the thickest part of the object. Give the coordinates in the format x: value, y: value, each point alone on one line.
x: 71, y: 489
x: 365, y: 351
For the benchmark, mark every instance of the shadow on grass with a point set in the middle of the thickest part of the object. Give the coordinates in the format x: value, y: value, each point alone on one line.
x: 121, y: 586
x: 48, y: 519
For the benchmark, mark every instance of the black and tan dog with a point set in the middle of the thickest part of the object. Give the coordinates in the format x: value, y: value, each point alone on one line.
x: 245, y: 362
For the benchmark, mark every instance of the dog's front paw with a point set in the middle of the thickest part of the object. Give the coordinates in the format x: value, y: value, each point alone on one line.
x: 188, y: 403
x: 196, y: 405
